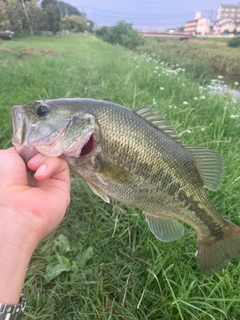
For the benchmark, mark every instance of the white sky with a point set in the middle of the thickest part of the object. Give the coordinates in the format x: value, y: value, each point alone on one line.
x: 148, y: 14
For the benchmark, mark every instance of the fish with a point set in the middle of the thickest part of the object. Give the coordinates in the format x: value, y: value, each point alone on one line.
x: 135, y: 157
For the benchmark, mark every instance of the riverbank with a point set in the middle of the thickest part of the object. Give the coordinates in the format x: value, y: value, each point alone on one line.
x: 202, y: 59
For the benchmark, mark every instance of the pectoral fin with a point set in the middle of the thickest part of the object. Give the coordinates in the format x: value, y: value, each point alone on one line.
x: 99, y: 192
x: 165, y: 229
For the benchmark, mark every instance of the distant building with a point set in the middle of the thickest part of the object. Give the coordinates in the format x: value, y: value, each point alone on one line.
x: 198, y: 26
x: 224, y: 25
x: 228, y: 19
x: 229, y: 11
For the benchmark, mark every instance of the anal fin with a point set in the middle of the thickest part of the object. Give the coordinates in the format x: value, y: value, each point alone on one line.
x: 165, y: 229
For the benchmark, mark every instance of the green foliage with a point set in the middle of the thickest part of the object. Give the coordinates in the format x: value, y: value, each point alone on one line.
x: 52, y: 11
x: 234, y: 42
x: 103, y: 262
x: 121, y: 33
x: 22, y: 17
x: 76, y: 23
x: 105, y: 34
x: 58, y: 261
x: 67, y: 10
x: 26, y: 17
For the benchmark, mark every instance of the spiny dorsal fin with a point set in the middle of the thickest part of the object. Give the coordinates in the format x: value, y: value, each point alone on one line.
x: 157, y: 119
x: 165, y: 229
x: 210, y: 165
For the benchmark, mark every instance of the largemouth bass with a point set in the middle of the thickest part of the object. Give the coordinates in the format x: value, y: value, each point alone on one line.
x: 135, y: 158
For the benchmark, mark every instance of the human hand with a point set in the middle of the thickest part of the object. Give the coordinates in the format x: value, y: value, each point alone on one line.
x: 31, y: 206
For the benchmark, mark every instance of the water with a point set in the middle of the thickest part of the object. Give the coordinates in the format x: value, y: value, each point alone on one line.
x: 223, y: 89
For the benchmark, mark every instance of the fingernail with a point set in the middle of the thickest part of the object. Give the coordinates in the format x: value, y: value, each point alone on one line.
x: 36, y: 159
x: 41, y: 170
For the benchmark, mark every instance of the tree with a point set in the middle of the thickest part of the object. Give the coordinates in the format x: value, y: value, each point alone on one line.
x: 21, y: 17
x: 76, y: 23
x: 26, y: 14
x: 121, y: 33
x: 68, y: 10
x: 105, y: 34
x: 50, y: 7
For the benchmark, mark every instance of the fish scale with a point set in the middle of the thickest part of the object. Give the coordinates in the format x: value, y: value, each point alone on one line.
x: 135, y: 158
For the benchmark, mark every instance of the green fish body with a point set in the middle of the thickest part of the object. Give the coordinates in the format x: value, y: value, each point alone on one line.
x: 135, y: 158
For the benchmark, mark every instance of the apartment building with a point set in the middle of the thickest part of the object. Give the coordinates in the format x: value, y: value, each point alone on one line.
x: 229, y: 11
x: 228, y: 19
x: 198, y: 26
x: 225, y: 25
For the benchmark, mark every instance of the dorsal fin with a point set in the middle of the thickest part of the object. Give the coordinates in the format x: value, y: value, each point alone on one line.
x: 157, y: 119
x: 210, y: 165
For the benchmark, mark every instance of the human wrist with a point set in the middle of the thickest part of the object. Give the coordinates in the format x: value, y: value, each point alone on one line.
x: 21, y: 229
x: 13, y: 311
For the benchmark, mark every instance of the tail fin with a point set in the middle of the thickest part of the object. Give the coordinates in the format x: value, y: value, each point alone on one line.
x: 214, y: 254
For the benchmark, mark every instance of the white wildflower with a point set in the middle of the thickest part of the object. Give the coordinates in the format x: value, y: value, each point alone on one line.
x: 195, y: 98
x: 202, y: 129
x: 161, y: 88
x: 236, y: 83
x: 175, y: 107
x: 220, y: 77
x: 202, y: 97
x: 185, y: 102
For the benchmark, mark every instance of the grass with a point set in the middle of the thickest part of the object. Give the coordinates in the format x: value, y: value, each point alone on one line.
x: 103, y: 262
x: 202, y: 59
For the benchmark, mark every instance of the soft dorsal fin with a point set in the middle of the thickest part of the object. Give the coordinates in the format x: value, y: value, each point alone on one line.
x: 157, y: 119
x: 210, y: 165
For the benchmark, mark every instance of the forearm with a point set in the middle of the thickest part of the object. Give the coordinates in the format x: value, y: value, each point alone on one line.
x: 12, y: 274
x: 16, y: 249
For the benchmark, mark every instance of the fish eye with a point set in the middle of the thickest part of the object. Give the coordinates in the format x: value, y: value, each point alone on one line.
x: 42, y: 110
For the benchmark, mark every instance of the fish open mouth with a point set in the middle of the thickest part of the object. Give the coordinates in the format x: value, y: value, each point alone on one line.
x: 88, y: 147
